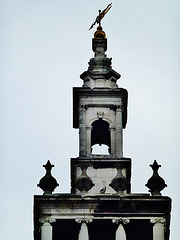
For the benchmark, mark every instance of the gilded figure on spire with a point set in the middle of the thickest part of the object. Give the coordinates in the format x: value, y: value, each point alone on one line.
x: 101, y: 15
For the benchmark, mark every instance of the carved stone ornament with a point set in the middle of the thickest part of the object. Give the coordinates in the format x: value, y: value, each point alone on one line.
x: 100, y: 114
x: 83, y: 220
x: 119, y: 183
x: 103, y: 62
x: 84, y: 183
x: 44, y: 220
x: 119, y: 108
x: 155, y: 183
x: 48, y: 183
x: 158, y: 220
x: 120, y: 220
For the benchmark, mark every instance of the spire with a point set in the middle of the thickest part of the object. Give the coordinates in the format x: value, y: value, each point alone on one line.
x: 100, y: 73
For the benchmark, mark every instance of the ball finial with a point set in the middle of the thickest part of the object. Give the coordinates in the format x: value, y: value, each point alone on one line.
x: 99, y: 34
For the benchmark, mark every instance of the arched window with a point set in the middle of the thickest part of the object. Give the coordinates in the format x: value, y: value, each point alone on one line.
x: 100, y: 134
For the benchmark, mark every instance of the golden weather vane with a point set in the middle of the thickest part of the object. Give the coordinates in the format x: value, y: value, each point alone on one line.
x: 101, y: 15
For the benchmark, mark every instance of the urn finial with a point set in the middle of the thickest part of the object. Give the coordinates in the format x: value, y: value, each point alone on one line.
x: 119, y: 183
x: 155, y: 184
x: 48, y: 183
x: 84, y: 183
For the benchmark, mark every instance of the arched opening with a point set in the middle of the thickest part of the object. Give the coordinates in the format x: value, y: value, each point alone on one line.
x: 100, y: 134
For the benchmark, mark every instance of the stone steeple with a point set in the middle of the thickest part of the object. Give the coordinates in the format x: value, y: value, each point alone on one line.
x: 100, y: 103
x: 101, y: 205
x: 100, y: 114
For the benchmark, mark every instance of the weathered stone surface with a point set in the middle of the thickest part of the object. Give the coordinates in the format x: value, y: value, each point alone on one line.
x: 95, y: 109
x: 138, y: 207
x: 84, y: 183
x: 100, y: 72
x: 101, y: 170
x: 119, y: 183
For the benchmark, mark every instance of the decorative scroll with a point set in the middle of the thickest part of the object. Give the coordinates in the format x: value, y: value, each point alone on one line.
x: 44, y: 220
x: 158, y: 220
x: 121, y: 220
x: 83, y: 220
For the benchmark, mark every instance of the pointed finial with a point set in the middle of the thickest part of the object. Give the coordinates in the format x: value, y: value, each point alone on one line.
x: 155, y: 184
x: 155, y: 166
x: 48, y: 166
x: 48, y: 183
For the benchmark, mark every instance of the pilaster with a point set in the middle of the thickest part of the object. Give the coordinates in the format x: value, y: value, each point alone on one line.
x: 83, y: 233
x: 120, y: 232
x: 158, y: 228
x: 82, y: 131
x: 113, y: 140
x: 46, y: 228
x: 119, y: 138
x: 88, y: 140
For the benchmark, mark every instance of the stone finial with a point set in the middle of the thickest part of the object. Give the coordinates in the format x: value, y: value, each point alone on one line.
x: 119, y: 183
x: 155, y: 183
x: 84, y: 183
x: 48, y: 183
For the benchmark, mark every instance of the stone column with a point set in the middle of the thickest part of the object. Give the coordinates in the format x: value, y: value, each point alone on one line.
x: 120, y: 232
x: 82, y: 131
x: 119, y: 134
x: 88, y: 140
x: 113, y: 141
x: 46, y: 228
x: 158, y: 228
x: 83, y: 233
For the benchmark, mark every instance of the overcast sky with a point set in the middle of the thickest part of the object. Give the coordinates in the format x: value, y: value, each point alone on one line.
x: 44, y: 47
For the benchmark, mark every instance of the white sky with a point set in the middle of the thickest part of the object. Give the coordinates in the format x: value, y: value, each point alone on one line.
x: 44, y: 47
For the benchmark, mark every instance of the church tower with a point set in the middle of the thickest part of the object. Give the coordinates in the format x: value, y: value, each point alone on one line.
x: 100, y: 113
x: 101, y: 205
